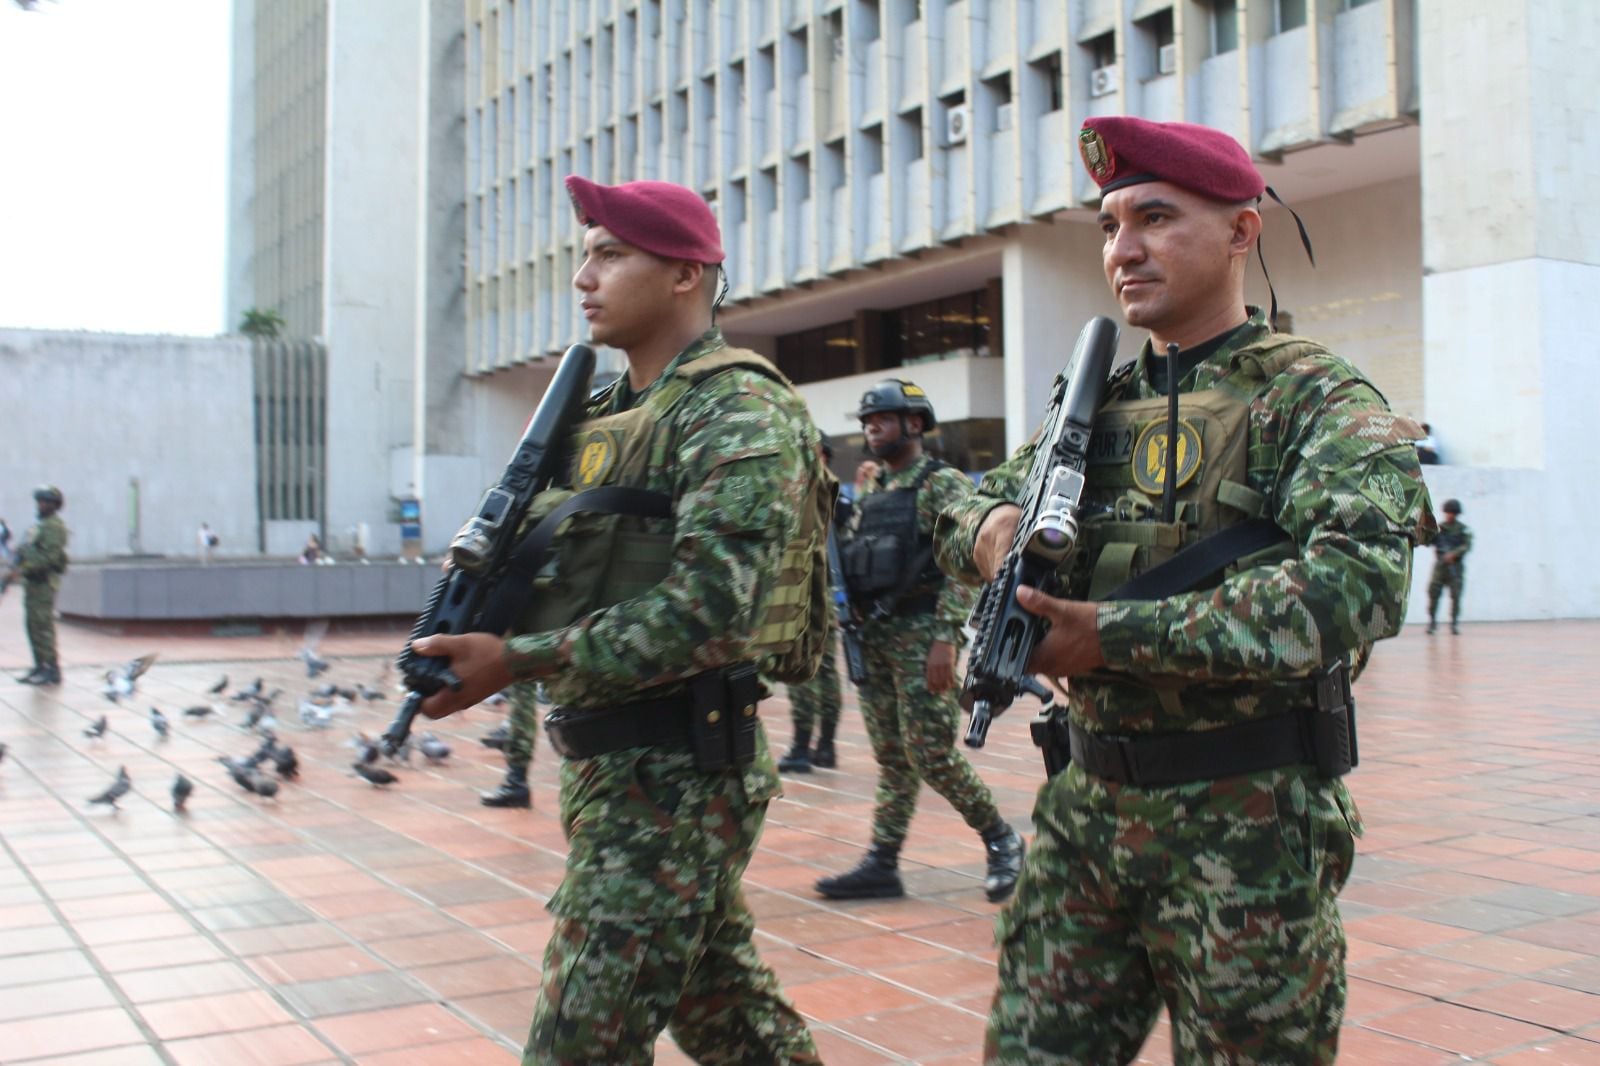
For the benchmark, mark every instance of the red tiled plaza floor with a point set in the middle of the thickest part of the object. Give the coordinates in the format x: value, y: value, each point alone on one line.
x: 341, y: 923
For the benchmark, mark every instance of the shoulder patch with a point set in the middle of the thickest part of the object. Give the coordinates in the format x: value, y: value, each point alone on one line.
x: 1388, y: 482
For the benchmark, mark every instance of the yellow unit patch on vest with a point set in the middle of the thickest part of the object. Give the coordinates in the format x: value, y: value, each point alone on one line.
x: 1150, y: 456
x: 597, y: 455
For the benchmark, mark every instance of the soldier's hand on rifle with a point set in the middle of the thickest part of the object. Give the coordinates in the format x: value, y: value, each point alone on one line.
x: 478, y: 659
x: 999, y: 529
x: 941, y: 667
x: 1072, y: 646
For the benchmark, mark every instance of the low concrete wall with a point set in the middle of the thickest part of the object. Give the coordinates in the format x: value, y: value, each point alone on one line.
x: 245, y: 590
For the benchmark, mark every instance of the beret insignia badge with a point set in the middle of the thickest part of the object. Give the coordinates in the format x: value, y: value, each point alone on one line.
x: 1096, y: 154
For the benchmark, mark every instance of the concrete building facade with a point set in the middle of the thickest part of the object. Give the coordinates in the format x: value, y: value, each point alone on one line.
x: 900, y: 194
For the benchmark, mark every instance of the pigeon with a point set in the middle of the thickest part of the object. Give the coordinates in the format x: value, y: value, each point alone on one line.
x: 118, y: 789
x: 262, y: 785
x: 136, y: 668
x: 375, y: 774
x: 433, y: 749
x: 181, y: 787
x: 316, y: 715
x: 260, y: 755
x: 308, y: 651
x: 200, y: 710
x: 254, y: 715
x: 249, y: 692
x: 220, y: 687
x: 159, y: 723
x: 324, y: 691
x: 98, y: 729
x: 239, y: 770
x: 116, y: 687
x: 285, y: 762
x: 369, y: 693
x: 367, y: 747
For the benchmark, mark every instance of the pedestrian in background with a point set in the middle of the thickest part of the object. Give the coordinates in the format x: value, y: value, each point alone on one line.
x: 1450, y: 547
x: 40, y: 561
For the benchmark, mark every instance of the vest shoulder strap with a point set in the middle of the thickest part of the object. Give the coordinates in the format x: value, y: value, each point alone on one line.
x: 697, y: 370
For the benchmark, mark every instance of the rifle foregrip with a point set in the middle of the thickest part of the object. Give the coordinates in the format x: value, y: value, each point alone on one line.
x: 395, y: 736
x: 978, y: 725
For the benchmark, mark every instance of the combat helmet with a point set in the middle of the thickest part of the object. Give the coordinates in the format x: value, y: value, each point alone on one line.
x: 1451, y: 506
x: 899, y: 396
x: 50, y: 493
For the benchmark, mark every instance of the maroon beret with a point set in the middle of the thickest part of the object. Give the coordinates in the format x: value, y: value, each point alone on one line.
x: 662, y: 218
x: 1121, y: 151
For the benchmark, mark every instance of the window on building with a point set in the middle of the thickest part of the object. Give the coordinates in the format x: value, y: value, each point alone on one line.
x: 1347, y: 5
x: 872, y: 150
x: 819, y: 354
x: 1102, y: 51
x: 1224, y: 26
x: 1157, y: 37
x: 911, y: 128
x: 871, y: 20
x: 952, y: 327
x: 1047, y: 73
x: 1288, y: 15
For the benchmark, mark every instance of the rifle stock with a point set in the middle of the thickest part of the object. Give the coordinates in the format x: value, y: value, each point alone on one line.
x: 1047, y: 533
x: 472, y: 595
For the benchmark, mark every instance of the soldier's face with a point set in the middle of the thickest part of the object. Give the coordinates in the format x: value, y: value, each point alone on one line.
x: 623, y: 290
x: 1168, y: 254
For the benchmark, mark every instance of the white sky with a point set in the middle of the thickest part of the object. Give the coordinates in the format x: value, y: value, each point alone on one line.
x: 114, y: 165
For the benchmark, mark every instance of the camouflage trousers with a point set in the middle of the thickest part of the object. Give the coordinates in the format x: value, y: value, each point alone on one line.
x: 1446, y: 576
x: 913, y: 733
x: 522, y: 725
x: 39, y: 613
x: 817, y: 701
x: 652, y: 931
x: 1217, y: 899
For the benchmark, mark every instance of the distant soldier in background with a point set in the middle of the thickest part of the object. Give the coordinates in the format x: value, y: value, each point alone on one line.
x: 40, y: 562
x: 521, y: 731
x: 1450, y: 547
x: 815, y: 704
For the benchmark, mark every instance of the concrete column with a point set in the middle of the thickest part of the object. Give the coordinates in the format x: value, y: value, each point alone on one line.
x: 1511, y: 258
x: 373, y: 179
x: 1053, y: 285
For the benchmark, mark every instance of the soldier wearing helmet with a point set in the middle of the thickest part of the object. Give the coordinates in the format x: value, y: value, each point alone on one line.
x: 911, y: 620
x: 1450, y: 546
x: 40, y: 561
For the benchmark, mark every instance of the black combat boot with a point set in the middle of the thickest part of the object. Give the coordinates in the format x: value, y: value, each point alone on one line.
x: 1455, y: 630
x: 32, y: 676
x: 513, y: 791
x: 824, y: 756
x: 1005, y: 849
x: 876, y: 877
x: 50, y: 675
x: 798, y: 761
x: 1432, y: 626
x: 496, y: 738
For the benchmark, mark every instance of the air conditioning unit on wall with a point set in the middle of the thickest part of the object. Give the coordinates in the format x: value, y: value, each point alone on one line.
x: 1167, y: 59
x: 1103, y: 81
x: 957, y: 121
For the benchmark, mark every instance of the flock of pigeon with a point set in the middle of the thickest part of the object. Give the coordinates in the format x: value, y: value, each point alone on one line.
x: 316, y: 711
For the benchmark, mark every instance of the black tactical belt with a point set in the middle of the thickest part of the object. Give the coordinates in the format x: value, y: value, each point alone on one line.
x: 1180, y: 758
x: 579, y: 734
x: 715, y: 717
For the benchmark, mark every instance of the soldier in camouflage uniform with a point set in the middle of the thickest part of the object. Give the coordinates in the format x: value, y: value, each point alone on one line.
x: 41, y: 560
x: 1450, y: 546
x: 1192, y: 849
x: 652, y: 930
x: 911, y: 633
x: 522, y: 732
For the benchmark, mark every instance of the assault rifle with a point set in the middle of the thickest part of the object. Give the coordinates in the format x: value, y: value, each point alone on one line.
x: 488, y: 582
x: 855, y: 656
x: 1047, y: 532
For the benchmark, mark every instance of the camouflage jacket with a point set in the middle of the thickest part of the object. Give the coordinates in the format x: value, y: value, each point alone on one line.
x: 1453, y: 538
x: 943, y: 489
x: 43, y: 555
x: 1341, y: 477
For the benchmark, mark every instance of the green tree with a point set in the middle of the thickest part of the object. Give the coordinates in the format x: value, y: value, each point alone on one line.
x: 262, y: 325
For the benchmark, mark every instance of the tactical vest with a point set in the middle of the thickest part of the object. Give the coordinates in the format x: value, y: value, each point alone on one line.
x: 605, y: 556
x: 885, y: 552
x: 1449, y: 538
x: 1123, y: 534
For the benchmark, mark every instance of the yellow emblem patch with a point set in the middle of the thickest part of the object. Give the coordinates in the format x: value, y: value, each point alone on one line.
x: 912, y: 390
x: 1150, y: 456
x: 597, y: 455
x: 1096, y: 154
